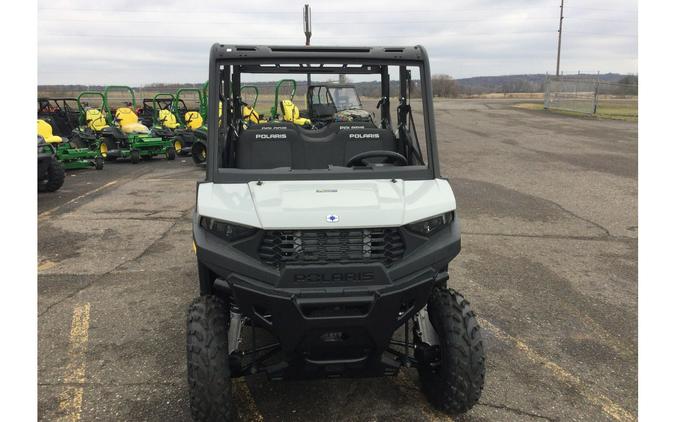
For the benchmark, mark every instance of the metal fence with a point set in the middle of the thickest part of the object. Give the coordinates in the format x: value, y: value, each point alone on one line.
x: 590, y: 95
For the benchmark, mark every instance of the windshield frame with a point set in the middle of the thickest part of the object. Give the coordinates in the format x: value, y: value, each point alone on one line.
x: 228, y: 62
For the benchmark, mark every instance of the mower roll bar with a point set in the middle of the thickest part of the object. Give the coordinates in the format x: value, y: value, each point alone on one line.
x: 80, y: 107
x: 177, y: 100
x: 277, y: 87
x: 106, y: 104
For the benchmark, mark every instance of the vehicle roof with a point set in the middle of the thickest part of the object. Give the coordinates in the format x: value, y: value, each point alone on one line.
x: 252, y: 53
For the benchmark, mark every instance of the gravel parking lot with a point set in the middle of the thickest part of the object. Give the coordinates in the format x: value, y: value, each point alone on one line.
x: 548, y: 206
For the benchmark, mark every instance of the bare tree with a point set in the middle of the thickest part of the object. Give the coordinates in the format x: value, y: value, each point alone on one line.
x: 444, y: 86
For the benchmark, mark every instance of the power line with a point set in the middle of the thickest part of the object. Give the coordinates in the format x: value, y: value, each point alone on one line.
x: 351, y: 22
x: 434, y: 12
x: 249, y: 40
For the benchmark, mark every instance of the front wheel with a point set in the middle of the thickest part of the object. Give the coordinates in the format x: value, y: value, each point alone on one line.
x: 56, y: 175
x: 98, y: 163
x: 135, y: 156
x: 453, y: 376
x: 178, y: 145
x: 105, y: 146
x: 207, y: 360
x: 171, y: 154
x: 198, y: 153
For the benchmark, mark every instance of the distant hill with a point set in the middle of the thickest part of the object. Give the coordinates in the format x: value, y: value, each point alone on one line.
x: 443, y: 85
x: 517, y: 83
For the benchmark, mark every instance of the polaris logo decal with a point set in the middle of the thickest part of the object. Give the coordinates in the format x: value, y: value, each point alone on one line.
x: 270, y: 136
x: 332, y: 218
x: 333, y: 277
x: 364, y: 136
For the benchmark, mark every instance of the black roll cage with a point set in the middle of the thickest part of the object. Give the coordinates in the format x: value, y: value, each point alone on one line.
x: 228, y: 62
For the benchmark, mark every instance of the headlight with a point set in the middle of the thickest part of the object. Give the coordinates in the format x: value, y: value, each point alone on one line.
x: 431, y: 225
x: 225, y: 230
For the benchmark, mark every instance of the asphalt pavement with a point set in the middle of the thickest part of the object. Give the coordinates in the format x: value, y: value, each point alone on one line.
x: 548, y: 206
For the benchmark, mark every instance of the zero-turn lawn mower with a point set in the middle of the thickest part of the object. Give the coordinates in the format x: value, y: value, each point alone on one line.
x: 191, y: 121
x: 71, y: 157
x: 91, y: 122
x: 249, y: 100
x: 51, y: 174
x: 168, y: 125
x: 127, y: 137
x: 285, y: 109
x: 146, y: 111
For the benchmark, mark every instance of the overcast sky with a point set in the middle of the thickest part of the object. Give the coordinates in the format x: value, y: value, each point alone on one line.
x: 139, y: 42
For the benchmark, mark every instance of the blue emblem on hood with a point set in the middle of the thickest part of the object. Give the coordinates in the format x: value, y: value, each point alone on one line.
x: 332, y: 218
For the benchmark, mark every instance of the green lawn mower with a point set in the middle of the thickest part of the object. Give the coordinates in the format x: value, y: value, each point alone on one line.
x: 69, y: 155
x: 126, y: 137
x: 91, y: 122
x: 249, y: 94
x: 285, y: 109
x: 191, y: 121
x: 174, y: 125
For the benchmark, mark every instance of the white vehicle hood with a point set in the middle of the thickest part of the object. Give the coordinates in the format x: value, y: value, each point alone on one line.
x: 325, y: 204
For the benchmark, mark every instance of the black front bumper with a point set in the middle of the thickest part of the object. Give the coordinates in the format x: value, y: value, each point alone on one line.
x: 334, y: 319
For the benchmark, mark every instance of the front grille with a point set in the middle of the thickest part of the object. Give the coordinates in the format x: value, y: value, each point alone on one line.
x: 305, y: 247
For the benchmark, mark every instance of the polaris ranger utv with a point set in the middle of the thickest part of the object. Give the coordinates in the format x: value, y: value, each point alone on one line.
x: 335, y: 241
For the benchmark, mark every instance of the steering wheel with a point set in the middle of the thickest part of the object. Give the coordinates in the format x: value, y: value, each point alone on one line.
x: 389, y: 156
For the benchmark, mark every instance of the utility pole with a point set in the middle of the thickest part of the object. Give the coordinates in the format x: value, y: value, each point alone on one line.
x: 557, y: 66
x: 307, y: 24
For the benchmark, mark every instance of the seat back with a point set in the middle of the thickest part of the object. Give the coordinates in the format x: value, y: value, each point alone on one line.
x: 360, y: 140
x: 128, y: 121
x: 168, y: 119
x: 95, y: 119
x: 44, y: 129
x: 194, y: 120
x: 249, y: 113
x: 282, y: 144
x: 265, y: 147
x: 291, y: 113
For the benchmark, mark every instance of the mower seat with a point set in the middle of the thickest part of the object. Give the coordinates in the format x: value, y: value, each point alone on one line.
x: 45, y: 130
x: 194, y: 120
x: 291, y: 113
x: 128, y: 121
x: 249, y: 113
x: 95, y: 120
x: 168, y: 119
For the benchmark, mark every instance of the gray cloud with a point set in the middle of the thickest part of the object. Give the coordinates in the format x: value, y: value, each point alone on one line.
x: 135, y: 42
